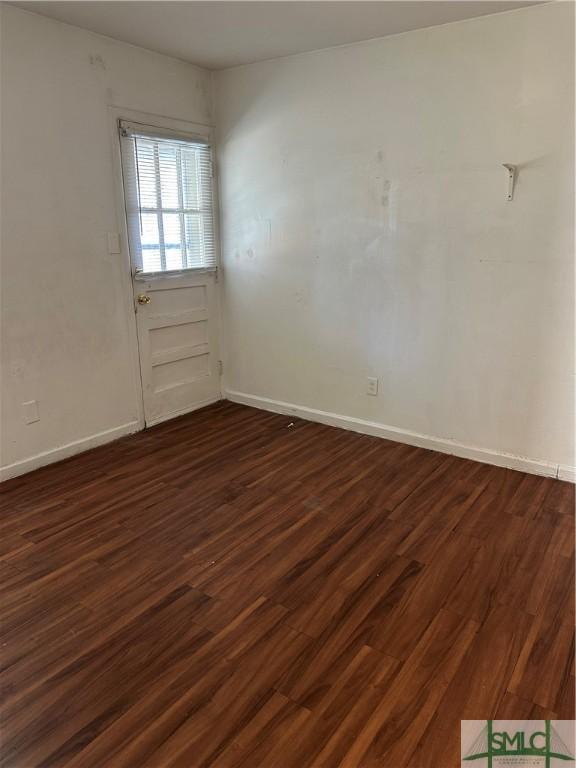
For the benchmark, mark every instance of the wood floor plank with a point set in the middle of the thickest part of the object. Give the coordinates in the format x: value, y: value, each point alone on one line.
x: 478, y: 686
x: 240, y: 589
x: 398, y: 633
x: 390, y: 735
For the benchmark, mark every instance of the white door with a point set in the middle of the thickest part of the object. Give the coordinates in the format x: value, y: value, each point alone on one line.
x: 178, y: 343
x: 168, y: 192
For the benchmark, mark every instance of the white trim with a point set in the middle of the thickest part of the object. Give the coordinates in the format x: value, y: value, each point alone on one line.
x: 114, y: 114
x: 498, y: 458
x: 566, y: 472
x: 548, y: 469
x: 183, y: 411
x: 133, y: 128
x: 143, y: 276
x: 65, y: 451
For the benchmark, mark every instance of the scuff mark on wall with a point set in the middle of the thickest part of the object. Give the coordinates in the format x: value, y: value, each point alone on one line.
x: 385, y: 195
x: 252, y: 239
x: 96, y: 60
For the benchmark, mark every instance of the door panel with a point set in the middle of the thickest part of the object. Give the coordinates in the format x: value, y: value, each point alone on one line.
x: 178, y: 343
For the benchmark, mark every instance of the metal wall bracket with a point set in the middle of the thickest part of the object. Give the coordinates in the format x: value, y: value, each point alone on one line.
x: 511, y: 179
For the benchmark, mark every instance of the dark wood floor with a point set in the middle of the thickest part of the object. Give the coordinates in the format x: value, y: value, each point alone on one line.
x: 237, y: 588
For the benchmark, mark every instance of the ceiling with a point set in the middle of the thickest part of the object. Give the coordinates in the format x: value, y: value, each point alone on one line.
x: 218, y: 34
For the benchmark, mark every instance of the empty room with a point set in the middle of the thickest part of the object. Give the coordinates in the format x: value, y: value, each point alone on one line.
x: 287, y: 427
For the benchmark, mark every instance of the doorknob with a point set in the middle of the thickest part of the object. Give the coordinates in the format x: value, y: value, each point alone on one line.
x: 143, y: 299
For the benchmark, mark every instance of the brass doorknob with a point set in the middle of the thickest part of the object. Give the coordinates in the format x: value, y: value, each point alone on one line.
x: 143, y: 299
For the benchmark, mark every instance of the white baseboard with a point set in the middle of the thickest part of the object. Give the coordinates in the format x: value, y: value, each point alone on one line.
x: 183, y: 411
x: 65, y: 451
x: 548, y: 469
x: 566, y: 472
x: 79, y: 446
x: 499, y: 459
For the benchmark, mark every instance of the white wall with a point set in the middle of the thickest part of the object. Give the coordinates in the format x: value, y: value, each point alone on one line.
x: 67, y: 331
x: 366, y: 233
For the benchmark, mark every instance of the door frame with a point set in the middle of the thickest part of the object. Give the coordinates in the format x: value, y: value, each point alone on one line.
x: 116, y: 113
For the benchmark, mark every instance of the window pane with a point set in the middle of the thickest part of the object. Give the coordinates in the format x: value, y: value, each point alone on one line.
x: 169, y: 201
x: 205, y: 179
x: 150, y: 242
x: 146, y: 173
x: 151, y: 261
x: 193, y: 223
x: 172, y: 241
x: 168, y: 175
x: 149, y: 230
x: 190, y: 178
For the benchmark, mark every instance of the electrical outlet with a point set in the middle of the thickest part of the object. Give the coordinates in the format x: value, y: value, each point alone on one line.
x: 31, y: 411
x: 372, y: 387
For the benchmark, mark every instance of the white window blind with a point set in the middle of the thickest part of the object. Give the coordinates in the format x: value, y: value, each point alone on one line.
x: 168, y: 194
